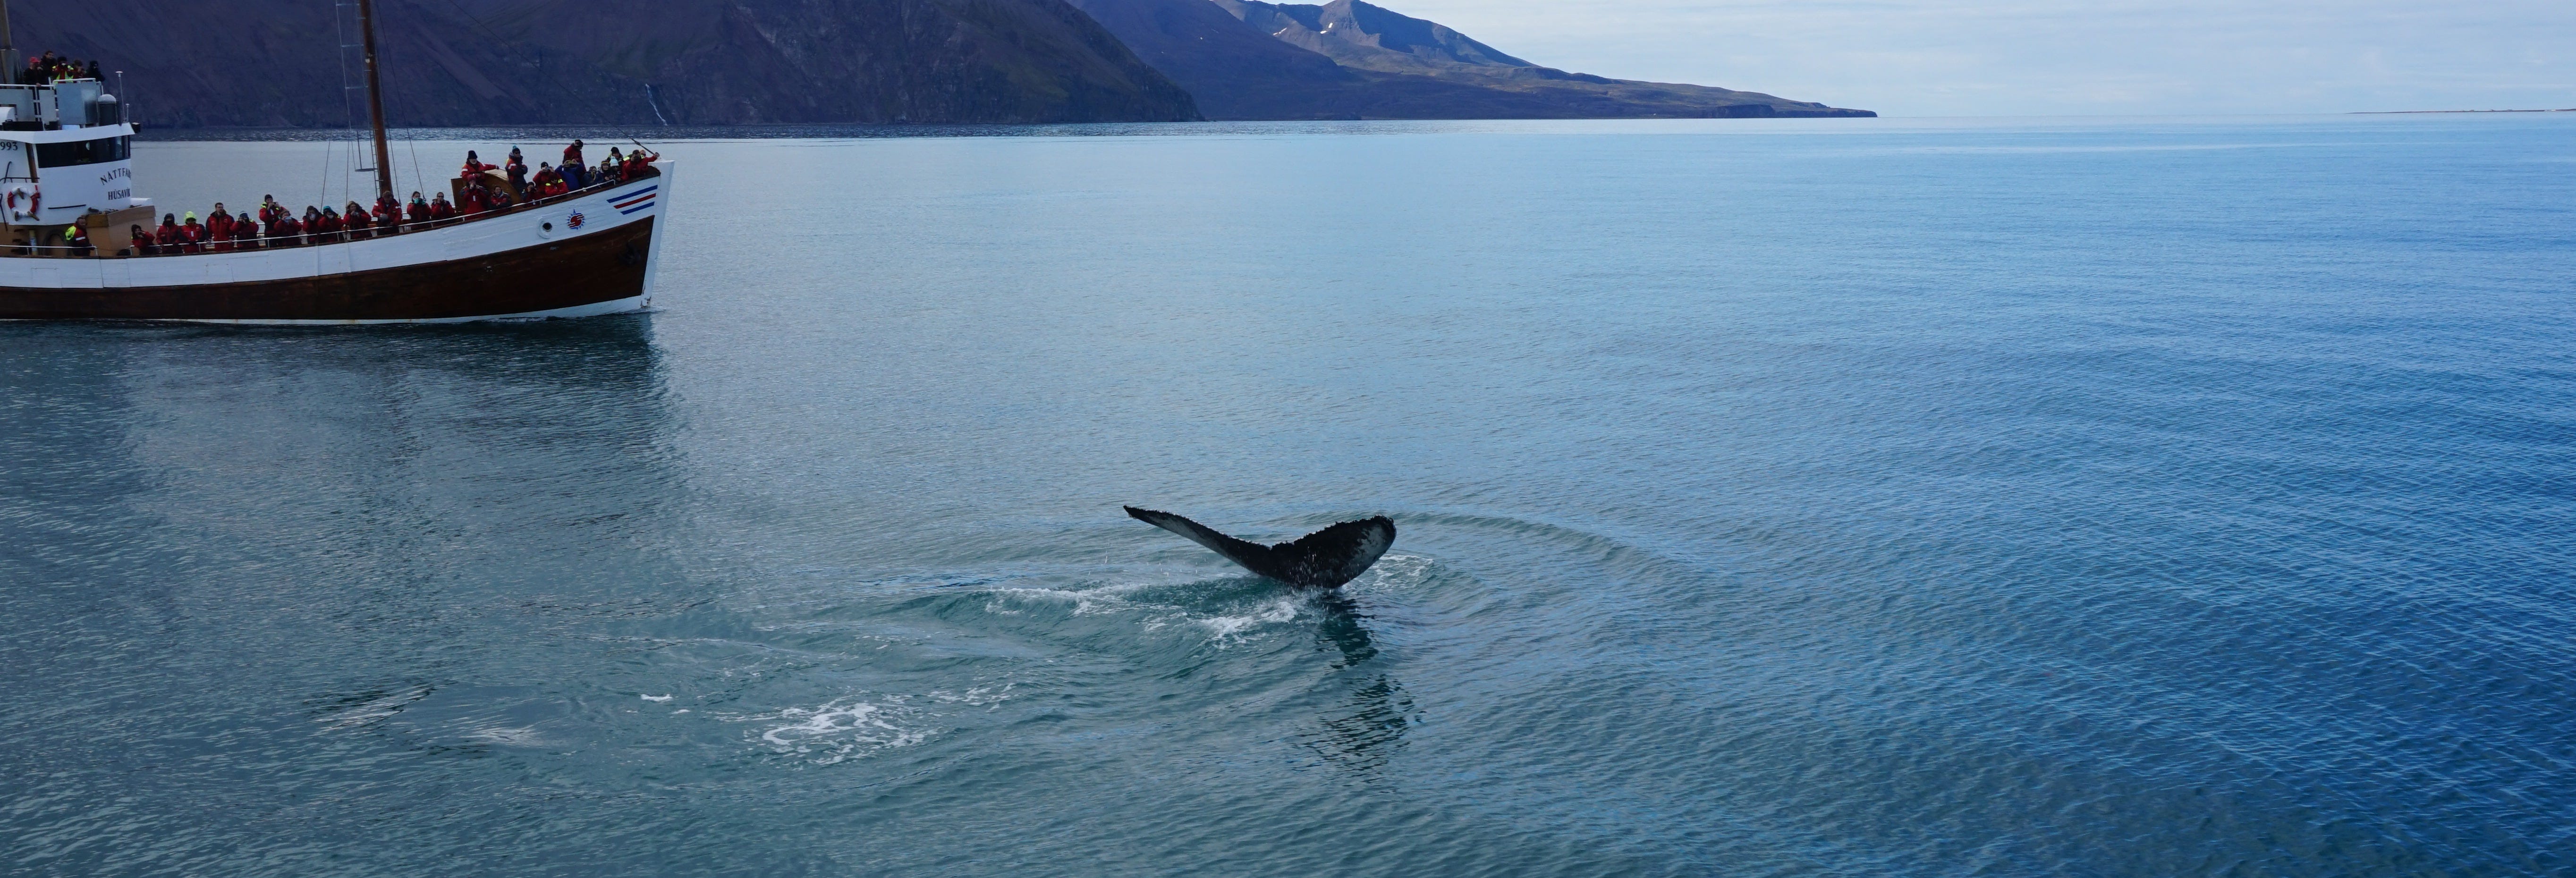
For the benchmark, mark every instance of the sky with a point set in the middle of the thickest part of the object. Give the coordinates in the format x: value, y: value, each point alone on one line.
x: 2017, y: 57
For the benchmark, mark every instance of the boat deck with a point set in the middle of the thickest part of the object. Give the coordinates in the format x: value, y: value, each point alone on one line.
x: 107, y: 234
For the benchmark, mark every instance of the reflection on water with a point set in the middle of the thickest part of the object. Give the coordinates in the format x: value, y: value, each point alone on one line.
x: 1341, y: 627
x: 1362, y: 731
x: 267, y: 439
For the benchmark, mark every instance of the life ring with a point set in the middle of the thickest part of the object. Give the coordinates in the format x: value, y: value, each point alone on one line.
x: 34, y: 198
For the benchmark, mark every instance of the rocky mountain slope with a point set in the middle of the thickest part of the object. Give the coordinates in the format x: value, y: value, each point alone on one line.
x: 646, y: 62
x: 726, y: 62
x: 1348, y: 59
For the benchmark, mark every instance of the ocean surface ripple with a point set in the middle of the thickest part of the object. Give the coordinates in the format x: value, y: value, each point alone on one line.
x: 1853, y: 498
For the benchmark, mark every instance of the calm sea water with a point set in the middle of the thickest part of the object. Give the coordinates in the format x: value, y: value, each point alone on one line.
x: 1850, y: 498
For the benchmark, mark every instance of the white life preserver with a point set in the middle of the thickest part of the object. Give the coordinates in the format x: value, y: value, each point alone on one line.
x: 25, y: 200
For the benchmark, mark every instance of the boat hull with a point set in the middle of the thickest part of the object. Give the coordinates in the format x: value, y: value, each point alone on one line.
x: 585, y: 256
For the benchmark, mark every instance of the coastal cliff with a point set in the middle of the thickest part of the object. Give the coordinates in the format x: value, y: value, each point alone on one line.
x: 678, y: 62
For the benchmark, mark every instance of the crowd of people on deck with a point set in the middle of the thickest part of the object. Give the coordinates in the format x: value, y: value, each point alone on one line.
x: 50, y: 68
x: 276, y: 225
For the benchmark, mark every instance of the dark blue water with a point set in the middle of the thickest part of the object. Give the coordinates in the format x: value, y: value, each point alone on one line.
x: 1865, y: 498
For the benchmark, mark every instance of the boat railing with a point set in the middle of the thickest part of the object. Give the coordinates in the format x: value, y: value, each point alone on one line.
x: 310, y: 239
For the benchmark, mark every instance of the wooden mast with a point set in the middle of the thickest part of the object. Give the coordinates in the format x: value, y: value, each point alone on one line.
x: 375, y: 100
x: 8, y: 47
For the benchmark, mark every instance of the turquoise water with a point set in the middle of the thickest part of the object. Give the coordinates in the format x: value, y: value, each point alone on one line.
x: 1866, y: 497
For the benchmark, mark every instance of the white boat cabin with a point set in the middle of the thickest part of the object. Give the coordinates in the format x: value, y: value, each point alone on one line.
x: 64, y: 151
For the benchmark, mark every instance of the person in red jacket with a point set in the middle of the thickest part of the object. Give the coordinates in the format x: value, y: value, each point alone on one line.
x: 168, y: 234
x: 355, y: 217
x: 439, y: 208
x: 387, y: 215
x: 418, y: 211
x: 192, y: 235
x: 476, y: 199
x: 219, y: 231
x: 269, y: 211
x: 285, y: 232
x: 245, y: 233
x: 143, y: 244
x: 474, y: 167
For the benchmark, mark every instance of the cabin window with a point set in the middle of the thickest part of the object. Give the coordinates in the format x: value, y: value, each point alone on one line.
x: 82, y: 152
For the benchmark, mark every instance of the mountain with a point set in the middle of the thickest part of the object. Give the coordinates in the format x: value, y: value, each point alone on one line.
x: 643, y: 62
x: 1370, y: 38
x: 1347, y: 60
x: 1234, y: 70
x: 730, y: 62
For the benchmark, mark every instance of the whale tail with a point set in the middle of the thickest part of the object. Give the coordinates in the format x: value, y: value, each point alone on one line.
x: 1323, y: 559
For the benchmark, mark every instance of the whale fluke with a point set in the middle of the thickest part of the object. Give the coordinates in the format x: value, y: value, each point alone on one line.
x: 1323, y: 559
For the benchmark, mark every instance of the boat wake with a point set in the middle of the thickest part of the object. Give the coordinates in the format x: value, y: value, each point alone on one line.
x: 838, y: 730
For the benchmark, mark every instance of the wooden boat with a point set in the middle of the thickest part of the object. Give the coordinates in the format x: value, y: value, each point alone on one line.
x: 64, y: 161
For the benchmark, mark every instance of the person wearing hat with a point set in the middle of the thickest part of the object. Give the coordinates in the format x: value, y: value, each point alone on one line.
x: 75, y: 240
x: 516, y: 168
